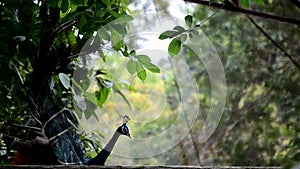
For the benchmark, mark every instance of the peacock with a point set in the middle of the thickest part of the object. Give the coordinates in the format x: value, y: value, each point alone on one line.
x: 29, y: 152
x: 105, y: 152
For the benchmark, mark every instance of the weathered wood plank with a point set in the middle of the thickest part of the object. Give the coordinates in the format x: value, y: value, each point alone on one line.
x: 129, y: 167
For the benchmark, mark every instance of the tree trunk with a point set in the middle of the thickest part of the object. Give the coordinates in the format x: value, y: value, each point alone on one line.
x: 65, y: 141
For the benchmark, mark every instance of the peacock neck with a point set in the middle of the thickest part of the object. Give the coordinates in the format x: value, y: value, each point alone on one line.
x: 105, y: 152
x: 110, y: 145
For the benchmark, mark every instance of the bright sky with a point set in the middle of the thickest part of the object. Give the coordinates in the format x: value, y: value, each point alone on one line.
x: 155, y: 48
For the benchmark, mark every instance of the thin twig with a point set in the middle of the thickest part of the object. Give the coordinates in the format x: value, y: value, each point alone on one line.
x: 59, y: 134
x: 18, y: 72
x: 54, y: 116
x: 26, y: 127
x: 9, y: 136
x: 65, y: 26
x: 208, y: 18
x: 36, y: 119
x: 291, y: 58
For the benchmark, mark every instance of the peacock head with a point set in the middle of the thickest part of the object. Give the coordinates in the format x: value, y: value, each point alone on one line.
x: 124, y: 129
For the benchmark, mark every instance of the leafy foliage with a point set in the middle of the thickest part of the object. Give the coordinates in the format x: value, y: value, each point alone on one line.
x: 138, y: 63
x: 39, y: 50
x: 246, y: 3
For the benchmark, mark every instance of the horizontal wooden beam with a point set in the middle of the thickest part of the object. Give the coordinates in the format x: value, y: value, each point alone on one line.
x: 130, y: 167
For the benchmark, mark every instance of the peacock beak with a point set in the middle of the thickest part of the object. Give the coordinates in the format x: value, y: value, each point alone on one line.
x: 126, y: 119
x: 129, y: 135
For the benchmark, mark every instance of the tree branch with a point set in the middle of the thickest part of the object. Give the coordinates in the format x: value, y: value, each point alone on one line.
x: 228, y: 6
x: 54, y: 116
x: 52, y: 139
x: 291, y: 58
x: 296, y: 2
x: 34, y: 129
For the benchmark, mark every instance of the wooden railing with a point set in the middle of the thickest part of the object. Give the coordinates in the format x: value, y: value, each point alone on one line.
x: 129, y: 167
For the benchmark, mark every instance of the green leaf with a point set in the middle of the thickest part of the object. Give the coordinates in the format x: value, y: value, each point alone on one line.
x: 102, y: 95
x: 65, y: 80
x: 97, y: 95
x: 103, y: 34
x: 114, y: 13
x: 183, y: 37
x: 125, y: 51
x: 188, y: 20
x: 259, y: 2
x: 118, y: 45
x: 71, y: 37
x: 78, y: 2
x: 153, y: 68
x: 244, y: 3
x: 121, y: 29
x: 139, y: 67
x: 59, y: 91
x: 82, y: 22
x: 179, y: 28
x: 116, y: 39
x: 131, y: 66
x: 195, y: 33
x: 89, y: 13
x: 64, y: 6
x: 123, y: 20
x: 52, y: 4
x: 142, y: 75
x: 174, y: 47
x: 90, y: 97
x: 106, y: 2
x: 132, y: 53
x: 117, y: 90
x: 166, y: 35
x: 143, y: 58
x: 146, y: 62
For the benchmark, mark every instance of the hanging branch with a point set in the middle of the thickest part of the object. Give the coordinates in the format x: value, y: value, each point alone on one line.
x: 228, y: 6
x: 291, y: 58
